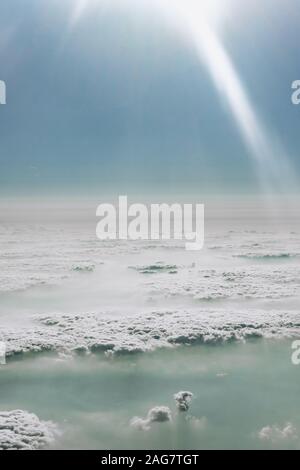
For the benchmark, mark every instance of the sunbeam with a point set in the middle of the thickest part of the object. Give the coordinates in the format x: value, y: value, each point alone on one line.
x: 77, y: 11
x: 198, y: 20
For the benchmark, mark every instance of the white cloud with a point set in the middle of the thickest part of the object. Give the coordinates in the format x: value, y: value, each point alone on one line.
x: 20, y: 430
x: 183, y: 400
x: 276, y: 434
x: 158, y: 414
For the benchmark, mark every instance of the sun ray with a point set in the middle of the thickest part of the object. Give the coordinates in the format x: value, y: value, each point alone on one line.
x: 77, y: 11
x: 198, y: 20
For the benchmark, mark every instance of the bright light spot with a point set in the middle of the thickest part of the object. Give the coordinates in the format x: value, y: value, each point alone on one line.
x: 77, y: 11
x: 214, y: 10
x: 201, y: 10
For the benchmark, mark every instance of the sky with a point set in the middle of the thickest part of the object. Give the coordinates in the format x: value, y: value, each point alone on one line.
x: 124, y: 97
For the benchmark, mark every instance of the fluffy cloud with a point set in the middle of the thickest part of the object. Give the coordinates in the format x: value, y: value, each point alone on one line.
x: 158, y: 414
x: 20, y: 430
x: 276, y: 434
x: 183, y: 400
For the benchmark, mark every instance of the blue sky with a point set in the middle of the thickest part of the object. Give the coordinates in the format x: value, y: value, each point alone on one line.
x: 120, y: 102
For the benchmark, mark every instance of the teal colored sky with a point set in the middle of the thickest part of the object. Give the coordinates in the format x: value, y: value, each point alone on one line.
x: 121, y: 103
